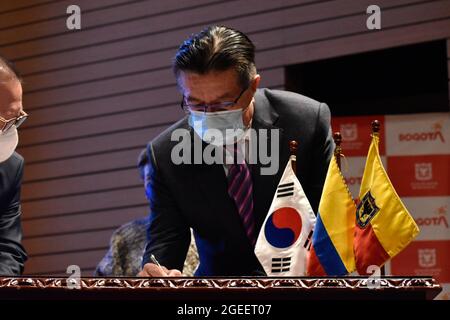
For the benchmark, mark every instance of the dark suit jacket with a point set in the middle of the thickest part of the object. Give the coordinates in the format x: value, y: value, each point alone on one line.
x: 188, y: 195
x: 12, y: 254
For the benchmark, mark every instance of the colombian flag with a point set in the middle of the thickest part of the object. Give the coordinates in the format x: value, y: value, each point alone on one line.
x: 384, y: 226
x: 331, y: 253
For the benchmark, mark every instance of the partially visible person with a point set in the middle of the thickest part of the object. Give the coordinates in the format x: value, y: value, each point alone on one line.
x: 124, y: 256
x: 12, y: 253
x: 127, y: 245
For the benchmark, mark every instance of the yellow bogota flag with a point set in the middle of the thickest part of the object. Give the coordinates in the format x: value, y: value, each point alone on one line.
x: 384, y: 226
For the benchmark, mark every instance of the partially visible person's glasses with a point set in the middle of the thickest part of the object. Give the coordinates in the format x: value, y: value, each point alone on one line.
x: 214, y: 107
x: 5, y: 125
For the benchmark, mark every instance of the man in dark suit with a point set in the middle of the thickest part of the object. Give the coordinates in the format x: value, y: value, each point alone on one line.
x: 226, y: 203
x: 12, y: 254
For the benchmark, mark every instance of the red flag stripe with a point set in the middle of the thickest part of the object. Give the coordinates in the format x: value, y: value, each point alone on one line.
x: 314, y: 268
x: 368, y: 249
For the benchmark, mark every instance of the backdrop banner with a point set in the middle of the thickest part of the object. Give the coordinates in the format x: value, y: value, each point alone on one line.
x: 415, y: 150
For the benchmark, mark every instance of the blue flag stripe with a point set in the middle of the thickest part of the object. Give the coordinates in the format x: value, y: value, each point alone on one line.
x: 326, y: 252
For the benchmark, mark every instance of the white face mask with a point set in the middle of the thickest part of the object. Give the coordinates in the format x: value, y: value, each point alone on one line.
x: 8, y: 143
x: 218, y: 128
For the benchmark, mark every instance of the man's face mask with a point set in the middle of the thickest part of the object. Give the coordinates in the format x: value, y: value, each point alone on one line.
x: 218, y: 128
x: 8, y: 143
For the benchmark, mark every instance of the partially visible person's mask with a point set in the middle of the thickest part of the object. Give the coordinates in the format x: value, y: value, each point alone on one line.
x: 8, y: 143
x: 218, y: 128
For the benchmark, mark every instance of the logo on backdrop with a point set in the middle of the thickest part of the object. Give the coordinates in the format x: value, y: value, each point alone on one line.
x: 435, y: 133
x: 351, y: 181
x: 424, y: 258
x: 424, y: 171
x: 427, y: 258
x: 349, y: 131
x: 354, y: 139
x: 439, y: 219
x: 423, y: 177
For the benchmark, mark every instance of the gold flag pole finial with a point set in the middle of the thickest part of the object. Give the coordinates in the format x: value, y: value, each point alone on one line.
x: 375, y: 127
x: 338, y: 150
x: 293, y: 146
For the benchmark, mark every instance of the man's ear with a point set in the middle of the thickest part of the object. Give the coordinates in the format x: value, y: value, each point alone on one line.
x: 255, y: 82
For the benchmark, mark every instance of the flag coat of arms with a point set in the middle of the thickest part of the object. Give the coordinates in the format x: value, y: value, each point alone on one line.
x: 331, y: 253
x: 285, y: 237
x: 384, y: 226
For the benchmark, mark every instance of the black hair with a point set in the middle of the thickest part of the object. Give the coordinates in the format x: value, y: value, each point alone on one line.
x: 217, y: 48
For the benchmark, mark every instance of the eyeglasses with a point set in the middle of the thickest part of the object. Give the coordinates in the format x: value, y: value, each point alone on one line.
x: 17, y: 121
x: 221, y: 106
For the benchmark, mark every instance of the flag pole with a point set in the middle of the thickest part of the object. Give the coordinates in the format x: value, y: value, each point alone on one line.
x: 376, y: 132
x: 293, y: 146
x: 338, y: 150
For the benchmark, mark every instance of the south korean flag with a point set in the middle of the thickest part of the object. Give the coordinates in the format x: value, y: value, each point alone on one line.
x: 285, y: 237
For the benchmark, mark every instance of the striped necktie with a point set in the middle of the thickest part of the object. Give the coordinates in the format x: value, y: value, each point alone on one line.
x: 240, y: 189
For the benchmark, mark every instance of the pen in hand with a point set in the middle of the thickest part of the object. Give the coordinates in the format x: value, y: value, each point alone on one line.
x: 152, y: 257
x: 149, y: 270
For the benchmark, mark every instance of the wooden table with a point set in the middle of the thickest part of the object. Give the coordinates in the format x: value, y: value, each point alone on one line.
x: 223, y: 289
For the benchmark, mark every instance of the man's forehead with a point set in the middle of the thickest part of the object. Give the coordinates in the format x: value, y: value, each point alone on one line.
x: 219, y: 84
x: 221, y: 78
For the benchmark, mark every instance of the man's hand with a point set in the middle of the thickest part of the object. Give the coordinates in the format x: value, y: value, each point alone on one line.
x: 153, y: 270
